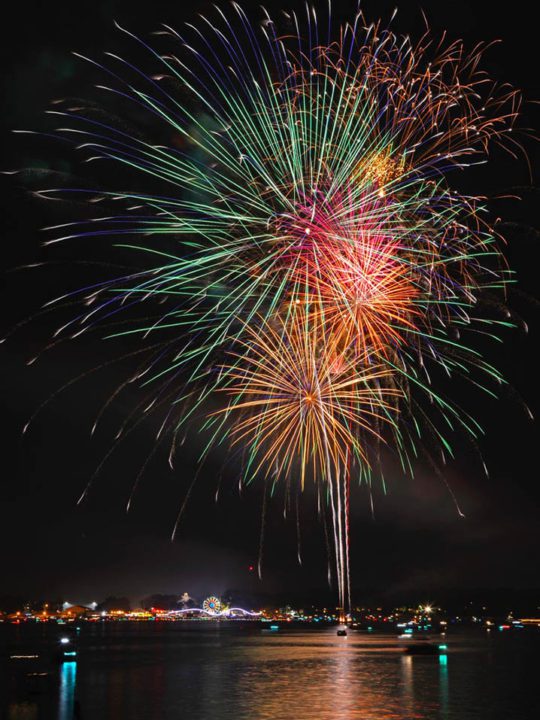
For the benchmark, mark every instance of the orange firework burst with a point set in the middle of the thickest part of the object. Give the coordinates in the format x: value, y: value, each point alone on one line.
x: 303, y: 400
x: 361, y: 290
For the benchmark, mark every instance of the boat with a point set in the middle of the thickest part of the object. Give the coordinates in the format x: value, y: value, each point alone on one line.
x: 66, y: 650
x: 423, y: 645
x: 423, y: 649
x: 272, y: 628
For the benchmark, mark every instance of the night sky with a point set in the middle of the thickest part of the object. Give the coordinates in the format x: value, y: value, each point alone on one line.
x: 415, y: 542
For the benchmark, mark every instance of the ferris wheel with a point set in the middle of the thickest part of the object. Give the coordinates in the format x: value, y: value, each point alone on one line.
x: 212, y: 605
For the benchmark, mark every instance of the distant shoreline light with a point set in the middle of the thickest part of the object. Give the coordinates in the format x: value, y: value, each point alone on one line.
x: 221, y: 613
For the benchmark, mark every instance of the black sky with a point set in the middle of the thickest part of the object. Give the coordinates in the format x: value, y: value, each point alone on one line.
x: 50, y: 546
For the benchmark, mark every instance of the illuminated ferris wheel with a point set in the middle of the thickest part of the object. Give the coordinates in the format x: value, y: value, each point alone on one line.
x: 212, y: 605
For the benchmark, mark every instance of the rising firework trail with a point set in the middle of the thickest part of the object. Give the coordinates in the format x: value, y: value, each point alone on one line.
x: 304, y: 259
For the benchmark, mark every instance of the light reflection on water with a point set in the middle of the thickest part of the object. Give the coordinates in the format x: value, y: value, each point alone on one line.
x: 206, y: 673
x: 443, y: 684
x: 23, y: 711
x: 66, y: 703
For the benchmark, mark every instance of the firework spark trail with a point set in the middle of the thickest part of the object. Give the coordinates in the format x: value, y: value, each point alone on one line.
x: 305, y: 253
x: 305, y: 405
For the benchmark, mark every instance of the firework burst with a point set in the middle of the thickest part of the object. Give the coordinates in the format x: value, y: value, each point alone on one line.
x: 307, y: 252
x: 308, y: 405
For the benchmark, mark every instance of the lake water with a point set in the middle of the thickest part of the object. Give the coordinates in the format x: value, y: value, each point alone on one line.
x: 222, y: 671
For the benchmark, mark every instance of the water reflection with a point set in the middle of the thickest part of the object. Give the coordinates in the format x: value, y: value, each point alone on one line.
x: 344, y: 703
x: 66, y: 702
x: 22, y: 711
x: 443, y: 684
x: 407, y: 687
x: 169, y: 673
x: 327, y: 678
